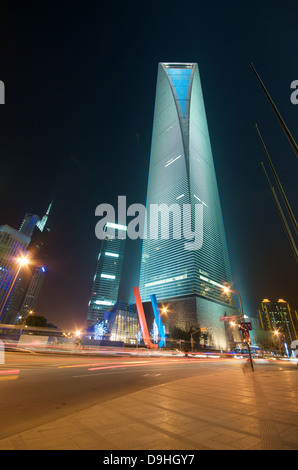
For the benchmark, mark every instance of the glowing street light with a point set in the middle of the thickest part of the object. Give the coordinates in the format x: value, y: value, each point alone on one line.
x: 228, y: 290
x: 23, y: 261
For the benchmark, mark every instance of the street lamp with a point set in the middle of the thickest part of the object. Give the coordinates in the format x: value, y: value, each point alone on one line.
x: 191, y: 338
x: 227, y: 290
x: 279, y: 342
x: 22, y: 261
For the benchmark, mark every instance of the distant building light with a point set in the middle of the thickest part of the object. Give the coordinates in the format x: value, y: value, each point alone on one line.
x: 43, y: 269
x: 200, y: 200
x: 172, y: 161
x: 115, y: 255
x: 116, y: 226
x: 165, y: 281
x: 104, y: 302
x: 212, y: 282
x: 108, y: 276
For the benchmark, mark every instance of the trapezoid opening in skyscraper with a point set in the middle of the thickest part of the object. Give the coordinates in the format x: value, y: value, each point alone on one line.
x: 182, y: 172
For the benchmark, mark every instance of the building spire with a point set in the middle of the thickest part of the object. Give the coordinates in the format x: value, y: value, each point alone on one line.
x: 41, y: 223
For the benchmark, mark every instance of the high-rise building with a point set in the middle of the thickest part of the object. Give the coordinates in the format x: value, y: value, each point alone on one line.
x: 13, y: 246
x: 182, y: 174
x: 279, y: 316
x: 32, y: 293
x: 31, y: 238
x: 107, y: 277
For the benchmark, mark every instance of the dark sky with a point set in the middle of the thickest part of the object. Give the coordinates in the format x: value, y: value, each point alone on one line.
x: 80, y: 83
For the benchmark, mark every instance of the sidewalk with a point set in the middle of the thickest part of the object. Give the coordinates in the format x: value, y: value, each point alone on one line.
x: 220, y: 411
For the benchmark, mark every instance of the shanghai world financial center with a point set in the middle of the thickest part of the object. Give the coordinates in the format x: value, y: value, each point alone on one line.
x: 182, y: 173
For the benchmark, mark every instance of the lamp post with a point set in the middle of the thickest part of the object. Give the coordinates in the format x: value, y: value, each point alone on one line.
x: 191, y: 338
x: 277, y: 335
x: 227, y: 290
x: 23, y: 261
x: 234, y: 291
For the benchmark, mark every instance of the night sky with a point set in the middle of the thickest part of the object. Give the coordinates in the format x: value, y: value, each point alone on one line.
x: 80, y: 83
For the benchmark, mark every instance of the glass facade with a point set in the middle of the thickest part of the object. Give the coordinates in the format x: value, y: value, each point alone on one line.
x: 33, y: 291
x: 107, y: 277
x: 123, y: 322
x: 28, y: 224
x: 182, y: 174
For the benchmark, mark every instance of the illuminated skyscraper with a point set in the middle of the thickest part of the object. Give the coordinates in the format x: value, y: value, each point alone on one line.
x: 107, y: 278
x: 278, y: 316
x: 182, y: 173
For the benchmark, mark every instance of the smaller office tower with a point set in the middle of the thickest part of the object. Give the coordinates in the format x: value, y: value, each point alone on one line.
x: 20, y: 286
x: 107, y: 277
x: 33, y: 291
x: 278, y: 316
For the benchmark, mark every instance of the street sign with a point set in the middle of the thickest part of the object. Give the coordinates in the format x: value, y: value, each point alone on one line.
x: 245, y: 326
x: 245, y: 335
x: 230, y: 318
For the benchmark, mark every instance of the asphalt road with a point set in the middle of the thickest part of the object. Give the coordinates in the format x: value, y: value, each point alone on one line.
x: 38, y: 388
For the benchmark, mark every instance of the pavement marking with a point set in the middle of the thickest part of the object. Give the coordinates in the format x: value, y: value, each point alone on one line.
x: 100, y: 373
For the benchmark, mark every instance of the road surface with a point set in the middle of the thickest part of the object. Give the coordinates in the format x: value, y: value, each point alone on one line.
x: 39, y: 388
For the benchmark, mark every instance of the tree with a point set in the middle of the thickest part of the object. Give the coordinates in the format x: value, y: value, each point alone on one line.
x: 36, y: 320
x: 266, y: 339
x: 185, y: 333
x: 100, y: 330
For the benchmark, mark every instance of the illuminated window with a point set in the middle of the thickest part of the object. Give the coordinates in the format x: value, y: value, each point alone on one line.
x: 115, y: 255
x: 103, y: 302
x: 172, y: 160
x: 165, y: 281
x: 108, y: 276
